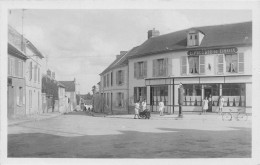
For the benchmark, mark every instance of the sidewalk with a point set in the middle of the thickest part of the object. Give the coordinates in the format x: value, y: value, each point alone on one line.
x: 34, y: 117
x: 188, y: 116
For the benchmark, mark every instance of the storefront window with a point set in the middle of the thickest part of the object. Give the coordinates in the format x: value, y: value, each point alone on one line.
x: 139, y: 94
x: 159, y: 93
x: 192, y: 90
x: 234, y: 94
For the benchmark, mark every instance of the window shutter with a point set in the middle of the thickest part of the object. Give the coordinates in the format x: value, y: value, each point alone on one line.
x: 145, y: 69
x: 165, y: 67
x: 122, y: 76
x: 220, y: 64
x: 135, y: 94
x: 117, y: 78
x: 184, y: 65
x: 241, y: 62
x: 202, y: 64
x: 122, y: 99
x: 135, y: 70
x: 155, y: 68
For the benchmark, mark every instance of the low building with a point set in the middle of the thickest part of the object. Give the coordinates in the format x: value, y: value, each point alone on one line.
x: 70, y: 93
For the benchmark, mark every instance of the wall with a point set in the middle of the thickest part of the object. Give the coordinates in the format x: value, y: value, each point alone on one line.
x: 114, y: 89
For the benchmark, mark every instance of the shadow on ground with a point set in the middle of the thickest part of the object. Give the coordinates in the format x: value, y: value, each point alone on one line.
x: 184, y: 143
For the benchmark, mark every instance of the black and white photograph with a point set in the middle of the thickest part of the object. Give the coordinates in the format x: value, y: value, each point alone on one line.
x: 130, y: 84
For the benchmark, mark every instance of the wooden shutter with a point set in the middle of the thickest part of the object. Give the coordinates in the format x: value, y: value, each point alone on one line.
x: 241, y: 62
x: 184, y: 65
x: 220, y: 64
x: 202, y: 64
x: 117, y: 77
x: 135, y: 70
x: 135, y: 94
x: 155, y: 68
x: 165, y: 65
x: 122, y: 76
x: 145, y: 69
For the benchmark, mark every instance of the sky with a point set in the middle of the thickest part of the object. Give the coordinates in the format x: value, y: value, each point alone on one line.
x: 82, y: 43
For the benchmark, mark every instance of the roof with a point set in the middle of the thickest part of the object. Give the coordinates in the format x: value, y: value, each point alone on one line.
x: 215, y: 36
x: 69, y: 86
x: 18, y: 39
x: 12, y: 50
x: 120, y: 61
x: 60, y: 84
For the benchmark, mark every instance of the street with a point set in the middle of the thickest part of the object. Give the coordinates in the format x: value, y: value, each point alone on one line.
x: 77, y: 135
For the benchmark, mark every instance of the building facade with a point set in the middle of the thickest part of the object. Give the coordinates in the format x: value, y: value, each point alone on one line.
x: 33, y: 79
x: 210, y: 61
x: 16, y: 82
x: 114, y: 86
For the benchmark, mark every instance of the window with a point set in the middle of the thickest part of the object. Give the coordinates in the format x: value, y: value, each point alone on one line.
x: 111, y: 78
x: 184, y: 65
x: 193, y: 65
x: 21, y: 69
x: 234, y: 95
x: 140, y: 69
x: 159, y: 93
x: 120, y: 99
x: 35, y: 73
x: 120, y: 77
x: 233, y: 89
x: 30, y: 98
x: 193, y: 39
x: 192, y: 90
x: 16, y: 67
x: 231, y: 63
x: 10, y: 66
x: 39, y: 75
x: 30, y: 68
x: 107, y: 99
x: 108, y: 80
x: 20, y: 96
x: 160, y: 67
x: 139, y: 94
x: 104, y: 80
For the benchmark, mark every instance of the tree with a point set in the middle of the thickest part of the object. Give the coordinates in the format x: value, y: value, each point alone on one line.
x: 94, y: 88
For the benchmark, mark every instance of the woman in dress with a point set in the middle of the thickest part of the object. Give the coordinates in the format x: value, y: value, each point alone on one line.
x: 205, y: 105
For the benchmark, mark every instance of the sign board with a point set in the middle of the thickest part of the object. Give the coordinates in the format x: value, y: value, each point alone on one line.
x: 212, y: 51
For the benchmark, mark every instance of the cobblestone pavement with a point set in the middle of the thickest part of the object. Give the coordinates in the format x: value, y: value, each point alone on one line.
x: 84, y: 136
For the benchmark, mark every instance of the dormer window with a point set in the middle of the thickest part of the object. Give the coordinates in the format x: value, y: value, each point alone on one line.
x: 194, y: 38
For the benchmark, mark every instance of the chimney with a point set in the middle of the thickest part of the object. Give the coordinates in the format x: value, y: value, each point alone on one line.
x: 153, y: 33
x: 49, y: 72
x: 53, y: 75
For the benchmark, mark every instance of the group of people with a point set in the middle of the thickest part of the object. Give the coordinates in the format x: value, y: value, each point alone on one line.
x: 141, y: 106
x: 208, y: 102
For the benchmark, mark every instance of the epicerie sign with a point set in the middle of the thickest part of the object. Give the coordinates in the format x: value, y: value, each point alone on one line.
x: 212, y: 51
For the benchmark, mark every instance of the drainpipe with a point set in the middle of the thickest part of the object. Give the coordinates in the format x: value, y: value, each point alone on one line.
x: 127, y: 89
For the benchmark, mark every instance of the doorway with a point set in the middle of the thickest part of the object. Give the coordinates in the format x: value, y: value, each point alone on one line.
x: 208, y: 94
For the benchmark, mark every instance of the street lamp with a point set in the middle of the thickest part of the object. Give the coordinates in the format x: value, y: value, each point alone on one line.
x: 180, y: 99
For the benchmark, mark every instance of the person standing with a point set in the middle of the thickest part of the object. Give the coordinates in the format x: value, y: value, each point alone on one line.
x: 137, y: 107
x: 161, y: 107
x: 221, y: 104
x: 210, y: 104
x: 205, y: 105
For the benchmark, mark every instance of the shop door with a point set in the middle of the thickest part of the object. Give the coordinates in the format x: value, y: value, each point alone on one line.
x: 208, y: 94
x: 10, y: 100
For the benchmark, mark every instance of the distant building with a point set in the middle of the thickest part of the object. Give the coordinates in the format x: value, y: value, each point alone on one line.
x: 70, y: 92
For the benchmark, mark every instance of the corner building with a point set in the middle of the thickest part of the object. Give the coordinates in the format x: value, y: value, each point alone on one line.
x: 209, y: 61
